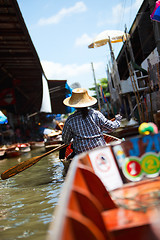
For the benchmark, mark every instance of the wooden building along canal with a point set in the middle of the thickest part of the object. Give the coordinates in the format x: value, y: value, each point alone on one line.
x: 21, y: 72
x: 138, y: 69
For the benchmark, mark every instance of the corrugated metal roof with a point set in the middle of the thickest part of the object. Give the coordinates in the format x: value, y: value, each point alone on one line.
x: 20, y: 67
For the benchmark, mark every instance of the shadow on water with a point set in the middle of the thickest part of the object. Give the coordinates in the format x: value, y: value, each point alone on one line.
x: 28, y: 199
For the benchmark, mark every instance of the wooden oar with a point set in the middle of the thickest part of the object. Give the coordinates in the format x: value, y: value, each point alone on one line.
x: 112, y: 137
x: 61, y: 128
x: 26, y: 164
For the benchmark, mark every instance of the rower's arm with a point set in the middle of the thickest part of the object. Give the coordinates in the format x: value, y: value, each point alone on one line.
x: 107, y: 124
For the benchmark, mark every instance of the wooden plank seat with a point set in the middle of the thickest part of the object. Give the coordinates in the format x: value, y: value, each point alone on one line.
x: 128, y: 224
x: 80, y: 207
x: 78, y: 227
x: 86, y: 179
x: 121, y: 223
x: 86, y: 204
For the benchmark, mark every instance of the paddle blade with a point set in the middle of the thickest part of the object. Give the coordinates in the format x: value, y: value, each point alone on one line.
x: 19, y: 168
x: 26, y: 164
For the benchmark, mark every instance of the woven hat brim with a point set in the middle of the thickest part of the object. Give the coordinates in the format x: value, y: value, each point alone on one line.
x: 80, y: 105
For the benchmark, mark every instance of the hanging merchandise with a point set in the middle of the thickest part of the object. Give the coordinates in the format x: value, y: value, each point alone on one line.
x: 68, y: 94
x: 155, y: 16
x: 3, y: 118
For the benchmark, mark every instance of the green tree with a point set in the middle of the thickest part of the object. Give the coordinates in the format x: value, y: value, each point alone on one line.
x: 105, y: 106
x: 101, y: 82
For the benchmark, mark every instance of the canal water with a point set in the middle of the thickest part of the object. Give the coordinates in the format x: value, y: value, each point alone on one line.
x: 28, y: 200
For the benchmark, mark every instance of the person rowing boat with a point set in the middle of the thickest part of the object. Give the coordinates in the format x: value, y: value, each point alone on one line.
x: 85, y: 127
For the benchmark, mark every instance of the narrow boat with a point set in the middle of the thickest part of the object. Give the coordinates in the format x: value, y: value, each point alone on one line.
x: 17, y: 149
x: 111, y: 193
x: 24, y: 147
x: 53, y: 142
x: 3, y: 152
x: 12, y: 151
x: 36, y: 144
x: 66, y: 162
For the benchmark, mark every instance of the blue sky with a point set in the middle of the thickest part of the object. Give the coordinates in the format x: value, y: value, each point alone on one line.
x: 62, y: 30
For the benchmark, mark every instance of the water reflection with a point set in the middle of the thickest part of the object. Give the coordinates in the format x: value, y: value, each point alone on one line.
x: 28, y: 199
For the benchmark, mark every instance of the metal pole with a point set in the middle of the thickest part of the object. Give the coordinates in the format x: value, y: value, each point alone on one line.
x: 150, y: 89
x: 97, y: 92
x: 116, y: 76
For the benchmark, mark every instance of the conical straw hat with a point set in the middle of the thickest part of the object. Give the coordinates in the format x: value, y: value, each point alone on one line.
x: 79, y: 99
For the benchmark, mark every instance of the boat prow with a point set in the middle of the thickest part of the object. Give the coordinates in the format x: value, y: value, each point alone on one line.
x: 96, y: 202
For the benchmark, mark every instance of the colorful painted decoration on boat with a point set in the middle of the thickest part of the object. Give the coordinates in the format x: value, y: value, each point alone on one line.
x: 105, y: 167
x: 150, y: 164
x: 132, y: 169
x: 137, y: 146
x: 155, y: 16
x: 136, y: 169
x: 119, y: 153
x: 139, y: 157
x: 147, y: 128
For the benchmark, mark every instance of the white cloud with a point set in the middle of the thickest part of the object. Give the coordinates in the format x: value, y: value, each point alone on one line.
x: 125, y: 10
x: 119, y: 12
x: 77, y: 8
x: 59, y: 71
x: 84, y: 40
x: 74, y: 72
x: 137, y: 4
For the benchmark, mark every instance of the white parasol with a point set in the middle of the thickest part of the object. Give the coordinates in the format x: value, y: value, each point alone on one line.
x: 110, y: 36
x: 104, y: 37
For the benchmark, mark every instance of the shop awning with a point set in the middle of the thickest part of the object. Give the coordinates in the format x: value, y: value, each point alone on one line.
x: 20, y: 67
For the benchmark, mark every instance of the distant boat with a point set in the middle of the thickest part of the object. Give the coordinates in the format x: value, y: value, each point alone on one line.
x: 24, y: 147
x: 53, y: 140
x: 12, y: 151
x: 36, y: 144
x: 2, y: 152
x: 52, y: 143
x: 16, y: 150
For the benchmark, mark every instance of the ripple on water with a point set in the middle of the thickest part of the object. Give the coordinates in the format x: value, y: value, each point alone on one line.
x: 28, y: 199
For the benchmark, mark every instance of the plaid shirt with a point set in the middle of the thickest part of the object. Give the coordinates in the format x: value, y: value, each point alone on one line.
x: 87, y: 133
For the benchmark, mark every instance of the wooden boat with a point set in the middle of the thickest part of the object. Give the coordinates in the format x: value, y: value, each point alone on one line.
x: 16, y: 150
x: 111, y: 193
x: 24, y: 147
x: 53, y: 142
x: 66, y: 162
x: 3, y: 152
x: 12, y: 151
x: 36, y: 144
